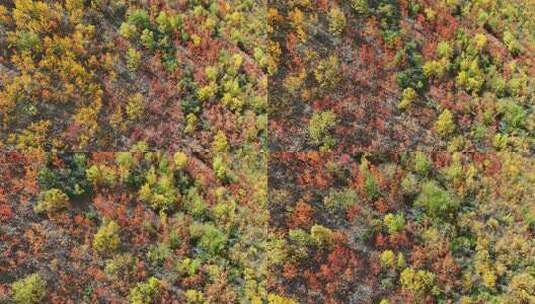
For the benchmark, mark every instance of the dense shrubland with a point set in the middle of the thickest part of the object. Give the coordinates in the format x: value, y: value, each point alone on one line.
x: 136, y: 166
x: 403, y: 227
x: 397, y: 75
x: 109, y: 75
x: 144, y: 227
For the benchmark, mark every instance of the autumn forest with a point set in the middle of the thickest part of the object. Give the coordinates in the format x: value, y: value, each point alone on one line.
x: 267, y: 151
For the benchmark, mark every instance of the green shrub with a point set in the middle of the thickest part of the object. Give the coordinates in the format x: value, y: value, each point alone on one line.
x: 470, y: 76
x: 337, y: 20
x: 436, y: 67
x: 277, y: 299
x: 124, y: 160
x: 445, y: 124
x: 394, y: 222
x: 169, y: 61
x: 101, y: 175
x: 188, y: 267
x: 71, y: 179
x: 414, y: 8
x: 120, y: 266
x: 400, y: 262
x: 388, y: 259
x: 260, y: 57
x: 430, y: 14
x: 52, y: 200
x: 416, y: 282
x: 388, y: 14
x: 455, y: 170
x: 194, y: 297
x: 107, y: 238
x: 360, y: 6
x: 191, y: 123
x: 167, y: 23
x: 145, y: 293
x: 164, y: 22
x: 514, y: 114
x: 480, y: 41
x: 220, y: 143
x: 174, y: 240
x: 210, y: 239
x: 210, y: 90
x: 436, y: 201
x: 47, y: 178
x: 232, y: 96
x: 444, y: 49
x: 409, y: 184
x: 28, y: 41
x: 133, y: 58
x: 409, y: 95
x: 147, y: 39
x: 181, y: 160
x: 139, y: 18
x: 127, y: 30
x: 518, y: 84
x: 158, y: 253
x: 300, y: 237
x: 511, y: 43
x: 220, y: 168
x: 30, y: 290
x: 327, y: 74
x: 422, y: 164
x: 372, y: 190
x: 195, y: 204
x: 319, y: 128
x: 411, y: 78
x: 159, y: 190
x: 135, y: 107
x: 224, y: 212
x: 340, y: 200
x: 499, y: 142
x: 370, y: 186
x: 321, y: 235
x: 213, y: 240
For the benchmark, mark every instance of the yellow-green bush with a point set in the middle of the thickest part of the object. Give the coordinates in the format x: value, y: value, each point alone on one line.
x: 194, y: 296
x: 135, y: 107
x: 319, y: 128
x: 107, y: 238
x: 327, y: 74
x: 436, y: 201
x: 181, y: 160
x: 445, y: 125
x: 276, y: 299
x: 321, y: 234
x: 408, y: 96
x: 417, y: 282
x: 337, y: 20
x: 52, y: 200
x: 394, y: 222
x: 388, y: 259
x: 101, y: 175
x: 30, y: 290
x: 159, y: 190
x: 145, y: 292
